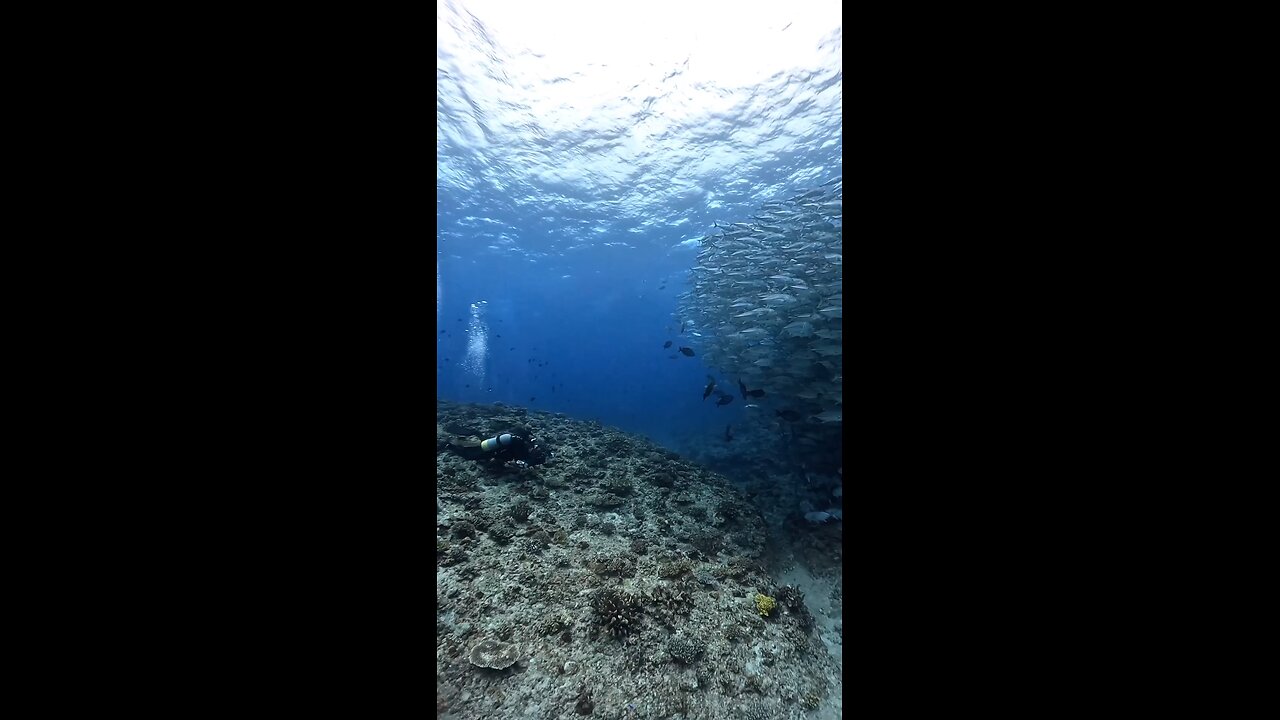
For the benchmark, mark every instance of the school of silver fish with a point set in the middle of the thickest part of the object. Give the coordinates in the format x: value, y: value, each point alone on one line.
x: 766, y: 305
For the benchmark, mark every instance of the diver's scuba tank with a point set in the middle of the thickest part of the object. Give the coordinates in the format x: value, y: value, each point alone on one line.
x: 495, y: 442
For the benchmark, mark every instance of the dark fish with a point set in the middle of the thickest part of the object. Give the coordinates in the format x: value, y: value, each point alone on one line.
x: 687, y: 352
x: 743, y: 388
x: 728, y: 436
x: 711, y: 385
x: 789, y: 415
x: 755, y: 393
x: 724, y: 400
x: 666, y: 345
x: 499, y: 335
x: 532, y: 398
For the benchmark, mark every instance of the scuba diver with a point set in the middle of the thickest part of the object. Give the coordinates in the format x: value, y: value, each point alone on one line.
x: 522, y: 449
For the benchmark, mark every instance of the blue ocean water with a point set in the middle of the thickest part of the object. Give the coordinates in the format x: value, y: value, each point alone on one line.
x: 582, y: 152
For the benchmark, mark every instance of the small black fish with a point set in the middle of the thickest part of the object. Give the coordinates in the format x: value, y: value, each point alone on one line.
x: 728, y: 436
x: 711, y: 385
x: 532, y: 398
x: 789, y: 415
x: 666, y: 345
x: 755, y: 393
x: 743, y: 388
x: 498, y: 335
x: 724, y: 400
x: 687, y: 352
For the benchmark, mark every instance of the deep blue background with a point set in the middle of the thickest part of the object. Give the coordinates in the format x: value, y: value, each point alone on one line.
x: 596, y: 337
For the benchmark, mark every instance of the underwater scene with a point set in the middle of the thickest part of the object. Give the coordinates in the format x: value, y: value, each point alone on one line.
x: 639, y: 460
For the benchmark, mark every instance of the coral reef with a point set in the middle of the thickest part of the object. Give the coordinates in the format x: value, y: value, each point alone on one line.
x: 620, y: 579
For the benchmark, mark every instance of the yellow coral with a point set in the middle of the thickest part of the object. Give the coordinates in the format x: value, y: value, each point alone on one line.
x: 764, y: 605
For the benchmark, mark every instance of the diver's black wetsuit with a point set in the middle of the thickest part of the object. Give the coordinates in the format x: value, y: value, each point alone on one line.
x: 529, y: 451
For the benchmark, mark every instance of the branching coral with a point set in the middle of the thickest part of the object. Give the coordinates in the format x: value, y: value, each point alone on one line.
x: 675, y: 568
x: 667, y: 602
x: 793, y: 600
x: 791, y: 597
x: 617, y: 613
